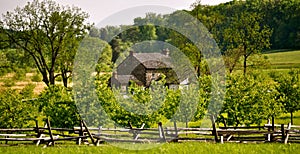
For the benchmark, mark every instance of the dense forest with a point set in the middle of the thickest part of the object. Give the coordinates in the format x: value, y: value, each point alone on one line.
x: 43, y: 37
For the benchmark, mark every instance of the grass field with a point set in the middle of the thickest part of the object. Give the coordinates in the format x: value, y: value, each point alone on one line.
x: 188, y: 147
x: 169, y: 148
x: 285, y: 59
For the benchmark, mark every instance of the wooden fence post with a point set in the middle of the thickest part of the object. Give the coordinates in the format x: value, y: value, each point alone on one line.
x: 215, y: 133
x: 99, y: 130
x: 273, y: 129
x: 287, y: 133
x: 80, y: 133
x: 282, y: 133
x: 88, y: 131
x: 176, y: 132
x: 161, y: 132
x: 131, y: 130
x: 50, y: 132
x: 37, y: 128
x: 268, y: 137
x: 222, y: 139
x: 41, y: 135
x: 137, y: 133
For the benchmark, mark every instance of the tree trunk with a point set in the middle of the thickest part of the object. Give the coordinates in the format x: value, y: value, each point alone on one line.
x: 65, y: 81
x: 230, y: 70
x: 291, y: 118
x: 273, y: 128
x: 51, y: 77
x: 45, y: 78
x: 224, y: 122
x: 186, y: 124
x: 197, y: 69
x: 64, y: 76
x: 245, y: 64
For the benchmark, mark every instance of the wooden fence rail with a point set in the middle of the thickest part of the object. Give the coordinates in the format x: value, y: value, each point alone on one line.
x: 84, y: 134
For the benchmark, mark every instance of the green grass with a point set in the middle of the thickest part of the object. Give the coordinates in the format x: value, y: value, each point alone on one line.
x: 285, y: 118
x: 284, y: 60
x: 188, y: 147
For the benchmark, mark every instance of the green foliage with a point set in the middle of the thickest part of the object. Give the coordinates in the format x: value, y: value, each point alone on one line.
x: 247, y: 34
x: 104, y: 62
x: 57, y: 104
x: 27, y: 91
x: 49, y: 33
x: 19, y: 75
x: 172, y: 102
x: 247, y: 97
x: 58, y: 78
x: 139, y: 105
x: 14, y: 60
x: 9, y: 82
x: 289, y: 91
x: 15, y: 110
x: 188, y: 105
x: 106, y: 108
x: 36, y: 77
x: 86, y: 84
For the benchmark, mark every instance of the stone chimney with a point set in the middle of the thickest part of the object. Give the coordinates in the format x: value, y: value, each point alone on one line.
x: 166, y: 52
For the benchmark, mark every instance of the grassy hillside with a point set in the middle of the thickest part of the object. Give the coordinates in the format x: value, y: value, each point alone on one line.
x: 284, y: 59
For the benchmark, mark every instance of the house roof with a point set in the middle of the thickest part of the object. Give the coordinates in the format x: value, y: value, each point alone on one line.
x: 153, y: 60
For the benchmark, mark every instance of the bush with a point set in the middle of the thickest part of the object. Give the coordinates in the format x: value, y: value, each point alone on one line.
x: 36, y: 77
x: 57, y: 104
x: 14, y: 111
x: 20, y: 75
x: 9, y: 83
x: 27, y: 91
x: 4, y: 71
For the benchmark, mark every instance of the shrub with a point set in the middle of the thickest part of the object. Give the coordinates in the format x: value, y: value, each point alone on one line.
x: 9, y: 83
x: 14, y: 111
x: 20, y: 75
x: 57, y: 104
x: 36, y: 77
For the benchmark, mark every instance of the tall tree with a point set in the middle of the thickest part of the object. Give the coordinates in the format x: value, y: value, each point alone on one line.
x: 289, y: 91
x: 47, y: 31
x: 247, y: 34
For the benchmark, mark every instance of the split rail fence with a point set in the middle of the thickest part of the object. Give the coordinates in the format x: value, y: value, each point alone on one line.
x: 94, y: 136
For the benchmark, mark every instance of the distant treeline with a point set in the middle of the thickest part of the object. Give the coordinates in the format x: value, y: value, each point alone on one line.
x: 281, y: 16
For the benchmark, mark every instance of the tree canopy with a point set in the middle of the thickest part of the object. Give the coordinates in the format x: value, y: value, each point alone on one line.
x: 49, y: 33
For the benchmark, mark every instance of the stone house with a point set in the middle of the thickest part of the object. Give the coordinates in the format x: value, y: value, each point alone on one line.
x: 143, y: 68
